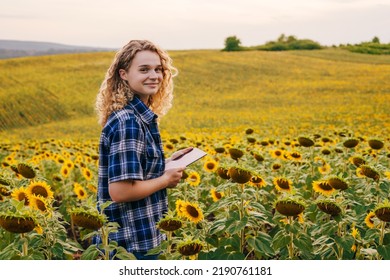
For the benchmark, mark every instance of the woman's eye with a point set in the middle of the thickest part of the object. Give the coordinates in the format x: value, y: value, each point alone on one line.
x: 159, y: 70
x: 144, y: 70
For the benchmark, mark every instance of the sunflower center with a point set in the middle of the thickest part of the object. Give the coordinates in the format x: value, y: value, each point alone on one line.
x: 283, y: 184
x: 295, y: 155
x: 325, y: 186
x: 256, y: 180
x: 210, y: 165
x: 41, y: 205
x: 192, y: 211
x: 22, y: 196
x: 39, y: 190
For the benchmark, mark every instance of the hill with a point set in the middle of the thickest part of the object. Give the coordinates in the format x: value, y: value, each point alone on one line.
x: 53, y: 96
x: 15, y: 48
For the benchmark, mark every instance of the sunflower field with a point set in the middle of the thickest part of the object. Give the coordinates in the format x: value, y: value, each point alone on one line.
x: 297, y: 165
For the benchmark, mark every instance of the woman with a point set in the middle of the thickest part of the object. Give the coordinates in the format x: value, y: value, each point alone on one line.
x: 137, y: 90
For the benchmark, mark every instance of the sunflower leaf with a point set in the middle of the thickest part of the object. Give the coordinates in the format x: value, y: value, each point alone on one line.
x: 384, y: 251
x: 280, y: 240
x: 262, y: 244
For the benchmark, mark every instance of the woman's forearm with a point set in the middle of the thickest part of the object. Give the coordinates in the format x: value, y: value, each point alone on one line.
x: 125, y: 191
x: 133, y: 190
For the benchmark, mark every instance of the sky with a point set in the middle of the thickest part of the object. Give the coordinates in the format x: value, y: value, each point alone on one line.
x: 193, y: 24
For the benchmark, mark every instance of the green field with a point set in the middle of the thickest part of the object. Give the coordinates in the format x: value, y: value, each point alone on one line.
x: 273, y: 92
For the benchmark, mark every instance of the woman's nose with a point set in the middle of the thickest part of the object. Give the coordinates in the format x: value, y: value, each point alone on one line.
x: 153, y: 75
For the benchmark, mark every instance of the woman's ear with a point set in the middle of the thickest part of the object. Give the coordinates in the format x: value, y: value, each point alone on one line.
x: 122, y: 74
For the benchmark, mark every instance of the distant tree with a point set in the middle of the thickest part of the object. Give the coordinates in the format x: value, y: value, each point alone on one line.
x: 291, y: 39
x: 375, y: 40
x: 282, y: 38
x: 232, y: 43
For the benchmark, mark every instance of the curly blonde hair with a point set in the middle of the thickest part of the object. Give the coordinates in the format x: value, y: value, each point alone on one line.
x: 115, y: 92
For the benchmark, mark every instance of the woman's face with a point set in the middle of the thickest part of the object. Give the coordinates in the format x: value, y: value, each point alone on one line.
x: 144, y: 75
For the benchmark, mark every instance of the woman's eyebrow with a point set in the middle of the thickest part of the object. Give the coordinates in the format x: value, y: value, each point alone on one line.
x: 148, y: 65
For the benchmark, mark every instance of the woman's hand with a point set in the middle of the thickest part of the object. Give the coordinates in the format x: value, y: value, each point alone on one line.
x: 173, y: 176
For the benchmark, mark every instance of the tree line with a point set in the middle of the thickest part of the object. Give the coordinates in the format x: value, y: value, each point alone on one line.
x: 285, y: 43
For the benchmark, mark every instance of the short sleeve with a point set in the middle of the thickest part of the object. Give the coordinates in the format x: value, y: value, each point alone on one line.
x: 126, y: 149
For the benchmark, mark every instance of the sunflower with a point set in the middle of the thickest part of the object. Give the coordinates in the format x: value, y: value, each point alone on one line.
x: 351, y: 143
x: 86, y: 173
x: 65, y: 171
x: 258, y: 157
x: 257, y: 181
x: 294, y: 156
x: 4, y: 191
x: 69, y: 164
x: 219, y: 150
x: 26, y: 170
x: 337, y: 183
x: 216, y: 195
x: 192, y: 212
x: 169, y: 224
x: 21, y: 194
x: 382, y: 211
x: 368, y: 220
x: 17, y: 224
x: 38, y: 202
x: 190, y: 248
x: 210, y: 165
x: 168, y: 147
x: 323, y: 187
x: 179, y: 207
x: 329, y: 207
x: 283, y: 184
x: 249, y: 131
x: 193, y: 178
x: 79, y: 191
x: 324, y: 169
x: 305, y: 141
x: 276, y: 166
x: 375, y: 144
x: 357, y: 161
x: 276, y: 153
x: 355, y: 232
x: 223, y: 172
x: 235, y: 153
x: 387, y: 174
x: 88, y: 219
x: 92, y: 188
x: 40, y: 188
x: 367, y: 171
x: 289, y: 207
x: 239, y: 175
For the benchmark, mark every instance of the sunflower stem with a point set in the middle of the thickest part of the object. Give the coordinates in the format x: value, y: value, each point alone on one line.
x: 291, y: 245
x: 382, y: 233
x: 340, y: 248
x: 25, y: 245
x: 242, y: 232
x: 105, y: 243
x: 169, y: 239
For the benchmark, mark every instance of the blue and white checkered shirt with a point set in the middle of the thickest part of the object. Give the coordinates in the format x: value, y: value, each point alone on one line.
x: 130, y: 149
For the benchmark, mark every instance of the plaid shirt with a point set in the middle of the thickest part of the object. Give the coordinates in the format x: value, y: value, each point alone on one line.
x: 130, y: 149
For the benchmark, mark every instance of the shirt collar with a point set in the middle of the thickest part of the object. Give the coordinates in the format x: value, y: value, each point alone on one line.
x: 145, y: 113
